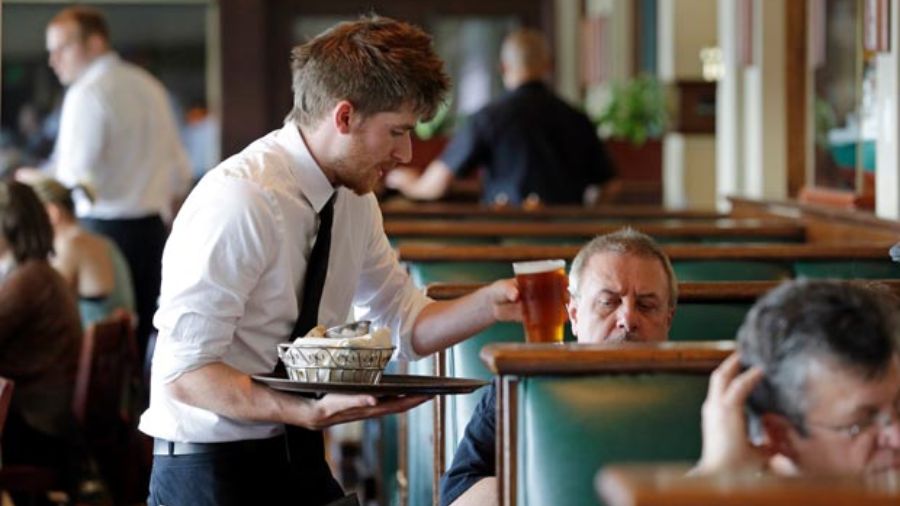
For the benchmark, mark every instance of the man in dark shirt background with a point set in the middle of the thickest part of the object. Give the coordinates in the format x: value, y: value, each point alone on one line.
x: 534, y: 146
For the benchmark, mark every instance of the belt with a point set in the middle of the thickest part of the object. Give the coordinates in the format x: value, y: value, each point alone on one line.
x: 171, y: 448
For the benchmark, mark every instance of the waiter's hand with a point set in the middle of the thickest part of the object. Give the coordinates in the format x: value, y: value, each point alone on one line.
x: 334, y: 409
x: 504, y: 294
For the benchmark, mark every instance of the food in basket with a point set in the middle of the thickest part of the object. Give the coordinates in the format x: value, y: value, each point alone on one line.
x: 349, y: 357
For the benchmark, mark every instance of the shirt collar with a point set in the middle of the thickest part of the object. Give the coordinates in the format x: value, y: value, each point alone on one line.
x: 98, y: 66
x: 313, y: 183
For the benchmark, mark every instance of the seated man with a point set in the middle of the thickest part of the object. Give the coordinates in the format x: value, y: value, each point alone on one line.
x: 622, y: 288
x: 822, y: 388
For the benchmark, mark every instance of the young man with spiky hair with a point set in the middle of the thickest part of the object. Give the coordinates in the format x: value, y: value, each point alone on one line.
x: 238, y: 266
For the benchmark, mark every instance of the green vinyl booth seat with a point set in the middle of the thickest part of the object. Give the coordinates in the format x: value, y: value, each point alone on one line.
x: 708, y: 321
x: 425, y: 273
x: 731, y: 270
x: 847, y: 269
x: 571, y: 426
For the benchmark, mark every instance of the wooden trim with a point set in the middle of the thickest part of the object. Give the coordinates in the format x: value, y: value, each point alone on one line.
x: 403, y: 452
x: 795, y: 81
x: 486, y: 253
x: 577, y: 358
x: 668, y: 485
x: 877, y: 25
x: 785, y: 252
x: 439, y: 429
x: 245, y: 110
x: 792, y: 209
x: 507, y: 433
x: 674, y: 228
x: 688, y: 292
x: 823, y: 224
x: 836, y: 198
x: 407, y: 209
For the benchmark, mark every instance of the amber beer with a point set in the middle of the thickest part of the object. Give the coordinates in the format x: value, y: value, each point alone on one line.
x: 543, y: 289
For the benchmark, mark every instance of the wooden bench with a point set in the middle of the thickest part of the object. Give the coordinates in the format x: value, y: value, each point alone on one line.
x: 565, y: 411
x: 406, y: 210
x: 706, y: 311
x: 823, y: 224
x: 569, y: 231
x: 703, y: 262
x: 668, y: 485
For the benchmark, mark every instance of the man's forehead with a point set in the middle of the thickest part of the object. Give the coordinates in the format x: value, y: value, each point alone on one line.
x: 402, y: 117
x: 63, y: 31
x: 610, y: 271
x: 835, y: 388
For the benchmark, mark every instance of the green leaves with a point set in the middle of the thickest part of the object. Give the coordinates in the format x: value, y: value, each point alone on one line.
x: 636, y: 111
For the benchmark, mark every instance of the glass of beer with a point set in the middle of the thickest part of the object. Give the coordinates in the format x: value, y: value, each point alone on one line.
x: 543, y: 289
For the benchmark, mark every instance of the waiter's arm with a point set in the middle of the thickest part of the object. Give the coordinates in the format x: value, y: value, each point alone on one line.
x: 442, y: 324
x: 226, y: 391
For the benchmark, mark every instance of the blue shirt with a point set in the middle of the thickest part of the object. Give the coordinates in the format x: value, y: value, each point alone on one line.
x: 530, y: 142
x: 475, y: 457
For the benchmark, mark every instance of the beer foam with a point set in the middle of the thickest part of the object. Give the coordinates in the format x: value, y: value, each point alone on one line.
x: 538, y: 266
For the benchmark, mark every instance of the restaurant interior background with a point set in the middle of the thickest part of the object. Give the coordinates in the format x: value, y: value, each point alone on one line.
x: 743, y: 117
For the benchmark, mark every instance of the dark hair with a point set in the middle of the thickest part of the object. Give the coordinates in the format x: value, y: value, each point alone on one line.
x: 845, y: 322
x: 378, y: 64
x: 90, y: 20
x: 24, y: 222
x: 625, y: 241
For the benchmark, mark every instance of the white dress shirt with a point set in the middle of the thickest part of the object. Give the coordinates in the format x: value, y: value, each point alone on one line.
x: 118, y: 136
x: 233, y: 270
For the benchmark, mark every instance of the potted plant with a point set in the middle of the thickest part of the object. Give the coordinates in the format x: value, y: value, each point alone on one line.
x: 632, y: 124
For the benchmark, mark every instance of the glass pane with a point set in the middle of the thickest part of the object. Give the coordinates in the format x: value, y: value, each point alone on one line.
x: 844, y: 139
x: 169, y: 40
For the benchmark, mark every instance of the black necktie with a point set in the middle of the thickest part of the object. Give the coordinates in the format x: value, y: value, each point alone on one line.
x: 306, y: 448
x: 316, y: 270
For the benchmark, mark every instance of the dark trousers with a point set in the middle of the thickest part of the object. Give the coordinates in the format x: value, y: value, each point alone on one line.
x: 141, y: 241
x: 285, y: 470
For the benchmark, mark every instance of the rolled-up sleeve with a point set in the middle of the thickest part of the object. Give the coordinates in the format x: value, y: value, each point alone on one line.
x: 223, y: 240
x: 386, y: 294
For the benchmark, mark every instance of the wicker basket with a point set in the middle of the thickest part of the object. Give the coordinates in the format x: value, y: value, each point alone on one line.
x: 334, y: 364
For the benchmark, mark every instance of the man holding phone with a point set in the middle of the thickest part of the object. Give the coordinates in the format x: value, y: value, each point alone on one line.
x: 818, y: 374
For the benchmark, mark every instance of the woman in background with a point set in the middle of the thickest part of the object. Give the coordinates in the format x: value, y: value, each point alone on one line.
x: 40, y: 339
x: 91, y: 264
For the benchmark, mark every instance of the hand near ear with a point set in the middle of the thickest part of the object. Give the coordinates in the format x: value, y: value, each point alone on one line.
x: 726, y: 446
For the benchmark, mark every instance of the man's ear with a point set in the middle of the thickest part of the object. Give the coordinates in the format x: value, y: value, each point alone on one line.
x: 572, y: 310
x: 342, y: 115
x: 780, y: 433
x: 96, y: 44
x: 670, y: 316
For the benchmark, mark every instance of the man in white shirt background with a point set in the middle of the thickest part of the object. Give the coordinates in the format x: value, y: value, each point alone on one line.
x: 238, y: 265
x: 117, y: 137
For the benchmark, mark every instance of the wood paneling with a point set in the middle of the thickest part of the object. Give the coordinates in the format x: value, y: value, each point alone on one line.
x: 795, y: 75
x: 786, y: 252
x: 257, y: 37
x: 823, y: 224
x: 774, y: 229
x: 575, y: 358
x: 405, y: 209
x: 668, y: 485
